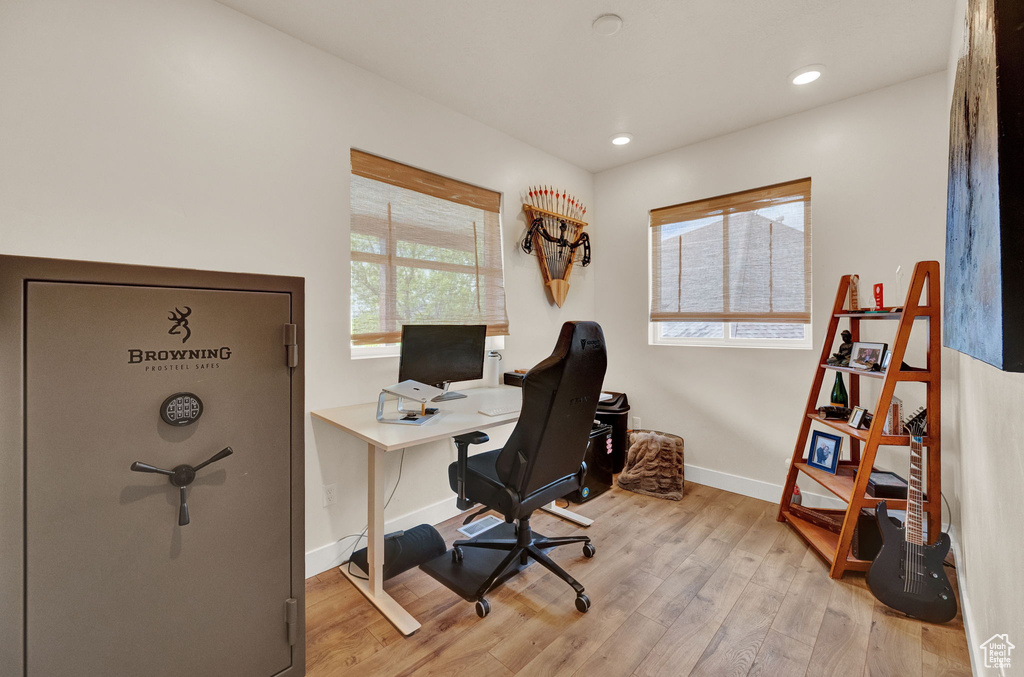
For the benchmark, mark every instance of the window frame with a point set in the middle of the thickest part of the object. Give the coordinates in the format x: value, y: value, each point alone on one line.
x: 654, y: 337
x: 728, y: 341
x: 488, y: 272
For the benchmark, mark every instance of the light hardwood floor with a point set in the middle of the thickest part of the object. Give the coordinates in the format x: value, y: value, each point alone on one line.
x: 710, y: 585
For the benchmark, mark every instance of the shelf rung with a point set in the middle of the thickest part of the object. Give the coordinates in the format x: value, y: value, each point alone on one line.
x: 841, y: 426
x: 909, y: 374
x: 914, y: 374
x: 855, y: 372
x: 857, y: 564
x: 842, y: 484
x: 822, y: 540
x: 862, y: 435
x: 891, y: 315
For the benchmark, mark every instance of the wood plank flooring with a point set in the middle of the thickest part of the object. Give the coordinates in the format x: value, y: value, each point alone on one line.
x: 710, y: 585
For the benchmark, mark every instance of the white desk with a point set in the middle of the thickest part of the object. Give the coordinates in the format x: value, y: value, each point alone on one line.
x: 457, y: 417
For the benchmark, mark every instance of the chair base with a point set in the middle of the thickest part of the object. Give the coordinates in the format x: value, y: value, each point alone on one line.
x: 476, y: 566
x: 465, y: 578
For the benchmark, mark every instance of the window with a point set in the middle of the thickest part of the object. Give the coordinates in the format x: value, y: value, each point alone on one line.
x: 425, y: 249
x: 734, y: 270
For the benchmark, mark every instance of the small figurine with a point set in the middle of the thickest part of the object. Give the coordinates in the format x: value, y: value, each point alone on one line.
x: 842, y: 358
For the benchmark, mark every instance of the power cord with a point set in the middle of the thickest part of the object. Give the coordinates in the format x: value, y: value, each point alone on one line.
x: 401, y: 465
x: 949, y: 512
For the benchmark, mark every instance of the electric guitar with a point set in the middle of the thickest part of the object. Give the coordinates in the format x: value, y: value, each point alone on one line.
x: 907, y: 574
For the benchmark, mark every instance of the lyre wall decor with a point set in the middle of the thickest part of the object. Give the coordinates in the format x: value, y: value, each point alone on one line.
x: 556, y: 236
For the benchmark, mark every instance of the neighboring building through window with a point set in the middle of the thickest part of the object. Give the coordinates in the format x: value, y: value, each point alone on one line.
x: 425, y: 249
x: 734, y: 270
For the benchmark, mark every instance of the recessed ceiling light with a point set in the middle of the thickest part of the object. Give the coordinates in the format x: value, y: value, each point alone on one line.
x: 622, y: 139
x: 807, y: 74
x: 607, y: 24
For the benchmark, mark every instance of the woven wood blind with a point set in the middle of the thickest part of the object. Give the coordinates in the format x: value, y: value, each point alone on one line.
x: 742, y: 257
x: 425, y: 249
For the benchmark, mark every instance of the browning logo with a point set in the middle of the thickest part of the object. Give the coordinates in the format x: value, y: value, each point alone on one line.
x: 180, y: 320
x: 178, y: 360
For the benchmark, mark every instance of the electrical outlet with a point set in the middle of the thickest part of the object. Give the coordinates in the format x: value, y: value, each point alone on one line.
x: 636, y: 423
x: 330, y: 494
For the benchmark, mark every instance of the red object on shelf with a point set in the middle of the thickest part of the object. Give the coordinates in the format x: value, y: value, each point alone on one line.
x: 878, y: 297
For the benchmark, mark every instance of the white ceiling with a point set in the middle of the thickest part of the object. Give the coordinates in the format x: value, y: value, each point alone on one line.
x: 678, y: 72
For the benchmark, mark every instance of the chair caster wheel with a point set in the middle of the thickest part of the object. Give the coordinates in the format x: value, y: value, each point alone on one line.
x: 457, y: 554
x: 589, y: 550
x: 582, y: 603
x: 483, y: 608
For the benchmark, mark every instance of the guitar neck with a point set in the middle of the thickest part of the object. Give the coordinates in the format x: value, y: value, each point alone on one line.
x: 914, y: 527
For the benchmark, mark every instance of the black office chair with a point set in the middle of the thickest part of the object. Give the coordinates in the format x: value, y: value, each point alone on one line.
x: 542, y: 460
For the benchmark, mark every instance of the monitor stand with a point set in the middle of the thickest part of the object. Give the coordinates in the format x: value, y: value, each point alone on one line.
x: 448, y: 394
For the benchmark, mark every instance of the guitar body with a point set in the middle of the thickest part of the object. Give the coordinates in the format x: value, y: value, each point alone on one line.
x: 911, y: 578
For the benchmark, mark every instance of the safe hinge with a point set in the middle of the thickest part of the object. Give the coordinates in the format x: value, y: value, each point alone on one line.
x: 291, y: 614
x: 291, y: 343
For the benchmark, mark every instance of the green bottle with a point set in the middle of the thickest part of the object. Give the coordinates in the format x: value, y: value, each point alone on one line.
x: 839, y: 396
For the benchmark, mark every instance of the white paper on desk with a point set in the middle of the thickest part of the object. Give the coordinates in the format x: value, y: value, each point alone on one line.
x: 414, y: 390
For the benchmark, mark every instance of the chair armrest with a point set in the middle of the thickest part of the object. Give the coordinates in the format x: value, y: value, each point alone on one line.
x: 475, y: 437
x: 462, y: 443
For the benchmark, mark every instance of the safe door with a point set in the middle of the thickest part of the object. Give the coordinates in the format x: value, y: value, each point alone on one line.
x: 158, y: 489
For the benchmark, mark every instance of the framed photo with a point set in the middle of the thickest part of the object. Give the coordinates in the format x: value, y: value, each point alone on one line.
x: 886, y: 360
x: 857, y: 417
x: 866, y: 355
x: 824, y: 453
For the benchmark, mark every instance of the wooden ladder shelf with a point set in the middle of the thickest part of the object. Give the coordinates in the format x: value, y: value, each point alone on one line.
x: 850, y: 483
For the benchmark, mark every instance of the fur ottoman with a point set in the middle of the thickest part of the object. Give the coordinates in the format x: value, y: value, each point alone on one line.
x: 654, y: 465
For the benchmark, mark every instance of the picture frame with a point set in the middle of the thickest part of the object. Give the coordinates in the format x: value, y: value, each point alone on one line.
x: 865, y: 355
x: 824, y: 452
x: 886, y: 360
x: 856, y: 419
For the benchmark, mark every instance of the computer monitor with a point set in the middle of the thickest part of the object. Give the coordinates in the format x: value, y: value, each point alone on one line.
x: 437, y: 354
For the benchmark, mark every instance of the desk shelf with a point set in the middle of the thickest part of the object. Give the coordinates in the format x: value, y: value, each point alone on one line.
x: 823, y: 541
x: 843, y: 482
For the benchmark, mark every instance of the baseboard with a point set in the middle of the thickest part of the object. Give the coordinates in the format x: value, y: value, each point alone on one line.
x: 973, y: 643
x: 333, y: 554
x: 766, y: 491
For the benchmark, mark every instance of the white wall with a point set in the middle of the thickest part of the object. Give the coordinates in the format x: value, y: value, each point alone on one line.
x: 185, y: 134
x: 878, y: 170
x: 991, y: 509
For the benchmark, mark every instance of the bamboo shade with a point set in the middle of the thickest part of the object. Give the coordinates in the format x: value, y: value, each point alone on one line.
x: 410, y: 178
x: 425, y: 249
x: 743, y: 257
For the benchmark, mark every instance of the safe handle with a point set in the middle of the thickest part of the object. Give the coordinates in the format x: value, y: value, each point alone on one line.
x: 145, y: 467
x: 223, y: 453
x: 183, y: 508
x: 181, y: 477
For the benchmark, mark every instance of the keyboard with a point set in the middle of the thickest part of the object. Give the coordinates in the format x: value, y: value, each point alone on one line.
x: 501, y: 409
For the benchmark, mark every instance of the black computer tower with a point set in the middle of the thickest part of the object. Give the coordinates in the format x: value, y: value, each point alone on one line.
x: 599, y: 464
x: 615, y: 412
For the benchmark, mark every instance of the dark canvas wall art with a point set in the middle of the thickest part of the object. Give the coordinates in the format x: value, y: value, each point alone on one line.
x: 984, y: 294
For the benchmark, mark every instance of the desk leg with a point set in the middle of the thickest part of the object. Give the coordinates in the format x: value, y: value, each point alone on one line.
x: 373, y: 589
x: 573, y: 517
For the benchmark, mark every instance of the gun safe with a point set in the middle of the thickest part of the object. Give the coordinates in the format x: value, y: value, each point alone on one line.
x: 151, y: 475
